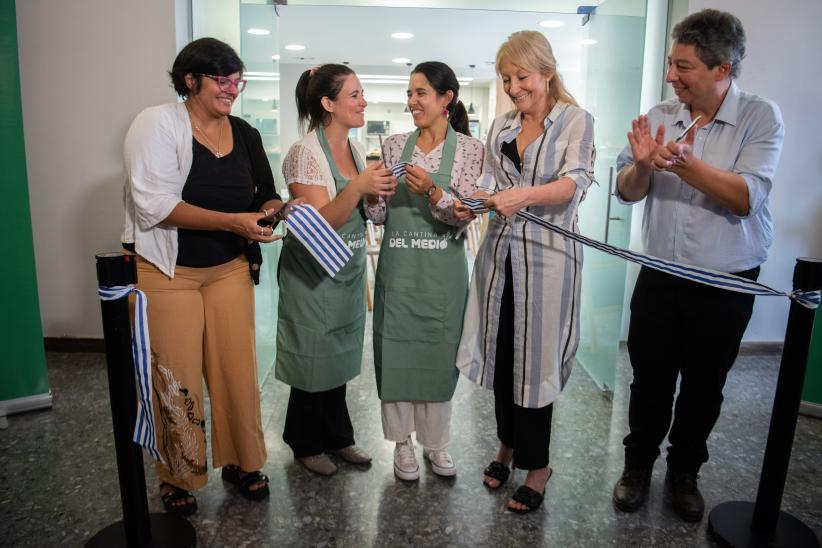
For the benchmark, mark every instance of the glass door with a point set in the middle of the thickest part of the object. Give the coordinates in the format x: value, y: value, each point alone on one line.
x: 615, y: 46
x: 259, y: 50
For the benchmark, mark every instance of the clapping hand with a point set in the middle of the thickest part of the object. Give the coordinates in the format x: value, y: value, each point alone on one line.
x: 644, y: 147
x: 676, y: 153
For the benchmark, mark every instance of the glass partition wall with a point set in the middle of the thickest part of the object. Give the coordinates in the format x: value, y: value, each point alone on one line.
x: 600, y: 58
x: 613, y: 89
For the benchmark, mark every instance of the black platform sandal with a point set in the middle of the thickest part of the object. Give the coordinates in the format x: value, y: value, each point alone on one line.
x: 528, y: 497
x: 498, y: 471
x: 171, y: 500
x: 244, y: 481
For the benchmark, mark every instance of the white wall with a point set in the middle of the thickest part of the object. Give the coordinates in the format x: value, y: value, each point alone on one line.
x: 782, y: 63
x: 83, y: 79
x: 87, y: 67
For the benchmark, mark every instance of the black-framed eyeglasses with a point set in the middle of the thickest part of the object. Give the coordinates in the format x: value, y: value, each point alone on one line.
x: 224, y: 82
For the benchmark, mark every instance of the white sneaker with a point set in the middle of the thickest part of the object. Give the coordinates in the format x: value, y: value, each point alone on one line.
x: 405, y: 462
x: 441, y: 462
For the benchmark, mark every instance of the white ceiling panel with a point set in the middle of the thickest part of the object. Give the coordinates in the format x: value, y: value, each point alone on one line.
x: 362, y: 36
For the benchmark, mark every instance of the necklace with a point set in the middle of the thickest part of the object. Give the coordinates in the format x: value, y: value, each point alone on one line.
x: 215, y: 150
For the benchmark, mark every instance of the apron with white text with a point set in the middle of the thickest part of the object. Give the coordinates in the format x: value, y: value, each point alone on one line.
x: 420, y: 293
x: 321, y: 320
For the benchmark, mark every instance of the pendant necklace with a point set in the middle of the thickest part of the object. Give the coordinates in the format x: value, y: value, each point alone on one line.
x: 215, y: 150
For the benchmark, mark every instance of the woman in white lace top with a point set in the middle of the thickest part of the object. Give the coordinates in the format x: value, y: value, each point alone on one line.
x: 321, y: 319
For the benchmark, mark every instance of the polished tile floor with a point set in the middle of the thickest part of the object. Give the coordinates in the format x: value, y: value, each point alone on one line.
x: 58, y: 479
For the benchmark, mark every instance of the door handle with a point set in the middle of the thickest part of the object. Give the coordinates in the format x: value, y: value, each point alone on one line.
x: 608, y: 209
x: 615, y: 219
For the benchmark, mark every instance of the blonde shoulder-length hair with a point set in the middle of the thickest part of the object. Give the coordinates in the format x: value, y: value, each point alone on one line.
x: 531, y: 50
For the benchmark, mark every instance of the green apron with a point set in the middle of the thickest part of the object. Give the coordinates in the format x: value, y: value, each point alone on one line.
x: 321, y: 320
x: 419, y: 294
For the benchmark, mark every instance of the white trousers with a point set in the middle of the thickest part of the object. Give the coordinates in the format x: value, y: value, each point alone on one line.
x: 431, y: 420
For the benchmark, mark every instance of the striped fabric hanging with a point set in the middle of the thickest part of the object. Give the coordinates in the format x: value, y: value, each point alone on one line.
x: 714, y: 278
x: 144, y: 430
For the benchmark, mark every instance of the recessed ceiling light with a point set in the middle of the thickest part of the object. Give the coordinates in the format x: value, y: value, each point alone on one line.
x: 587, y: 41
x: 295, y: 47
x: 551, y: 24
x: 402, y: 35
x: 400, y: 60
x: 275, y: 57
x: 259, y: 32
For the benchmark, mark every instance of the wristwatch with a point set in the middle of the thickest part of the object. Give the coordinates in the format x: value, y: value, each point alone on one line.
x: 431, y: 190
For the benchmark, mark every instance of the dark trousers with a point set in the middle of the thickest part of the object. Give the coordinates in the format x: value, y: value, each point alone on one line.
x: 527, y: 431
x: 681, y: 329
x: 316, y: 422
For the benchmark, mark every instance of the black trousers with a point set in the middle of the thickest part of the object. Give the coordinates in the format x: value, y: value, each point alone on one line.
x: 681, y: 329
x: 316, y: 422
x: 527, y: 431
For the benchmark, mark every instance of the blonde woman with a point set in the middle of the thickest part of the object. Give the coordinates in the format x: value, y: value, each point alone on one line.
x: 521, y: 321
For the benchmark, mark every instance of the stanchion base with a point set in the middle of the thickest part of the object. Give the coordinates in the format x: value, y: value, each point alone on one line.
x: 167, y: 531
x: 730, y: 525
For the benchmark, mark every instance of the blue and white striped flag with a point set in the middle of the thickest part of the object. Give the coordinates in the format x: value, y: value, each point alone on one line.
x: 398, y: 170
x: 714, y: 278
x: 476, y: 205
x: 322, y: 241
x: 144, y: 430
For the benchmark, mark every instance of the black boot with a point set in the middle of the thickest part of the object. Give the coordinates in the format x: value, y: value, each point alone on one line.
x: 631, y: 490
x: 685, y: 495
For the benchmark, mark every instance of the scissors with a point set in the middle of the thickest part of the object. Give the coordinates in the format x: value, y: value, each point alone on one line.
x: 688, y: 128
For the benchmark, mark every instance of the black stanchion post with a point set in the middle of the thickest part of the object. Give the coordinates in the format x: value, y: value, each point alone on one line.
x: 739, y: 523
x: 138, y: 528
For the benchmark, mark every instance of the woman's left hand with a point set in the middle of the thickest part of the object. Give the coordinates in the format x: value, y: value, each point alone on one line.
x: 508, y: 202
x: 462, y: 212
x: 417, y: 179
x: 246, y: 225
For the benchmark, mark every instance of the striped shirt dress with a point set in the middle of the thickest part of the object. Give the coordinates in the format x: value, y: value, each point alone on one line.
x: 546, y: 267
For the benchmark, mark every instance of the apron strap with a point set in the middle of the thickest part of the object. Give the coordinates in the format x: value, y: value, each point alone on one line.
x: 339, y: 180
x: 449, y: 151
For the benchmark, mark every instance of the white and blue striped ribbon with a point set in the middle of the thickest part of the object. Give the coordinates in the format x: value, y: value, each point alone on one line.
x: 322, y: 241
x: 476, y: 205
x: 714, y: 278
x: 398, y: 170
x: 144, y: 431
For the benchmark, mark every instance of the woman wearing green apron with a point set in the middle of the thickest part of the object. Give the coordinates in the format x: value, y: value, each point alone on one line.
x: 422, y: 276
x: 322, y: 319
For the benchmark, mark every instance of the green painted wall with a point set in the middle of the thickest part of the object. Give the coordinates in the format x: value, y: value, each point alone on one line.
x: 813, y: 376
x: 23, y: 363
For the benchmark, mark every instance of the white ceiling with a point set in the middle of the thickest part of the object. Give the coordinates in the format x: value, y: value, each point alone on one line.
x: 362, y: 37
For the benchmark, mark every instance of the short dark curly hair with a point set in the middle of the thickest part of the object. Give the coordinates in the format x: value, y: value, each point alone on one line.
x: 718, y: 37
x: 203, y: 56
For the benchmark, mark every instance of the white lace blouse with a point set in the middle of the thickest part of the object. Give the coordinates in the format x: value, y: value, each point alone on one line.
x: 305, y: 163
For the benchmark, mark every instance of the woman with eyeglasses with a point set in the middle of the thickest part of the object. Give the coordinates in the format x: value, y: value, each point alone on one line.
x: 321, y: 320
x: 199, y: 199
x: 522, y: 319
x: 422, y: 277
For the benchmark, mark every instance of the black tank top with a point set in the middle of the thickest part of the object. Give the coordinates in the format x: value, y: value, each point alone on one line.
x: 219, y: 184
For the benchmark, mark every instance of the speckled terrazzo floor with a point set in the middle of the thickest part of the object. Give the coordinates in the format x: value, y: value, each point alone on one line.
x: 58, y: 480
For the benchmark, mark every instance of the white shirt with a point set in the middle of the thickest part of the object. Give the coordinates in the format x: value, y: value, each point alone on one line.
x: 684, y: 224
x: 157, y: 156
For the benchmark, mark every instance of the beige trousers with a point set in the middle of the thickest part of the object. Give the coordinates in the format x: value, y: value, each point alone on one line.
x: 201, y: 325
x: 431, y: 420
